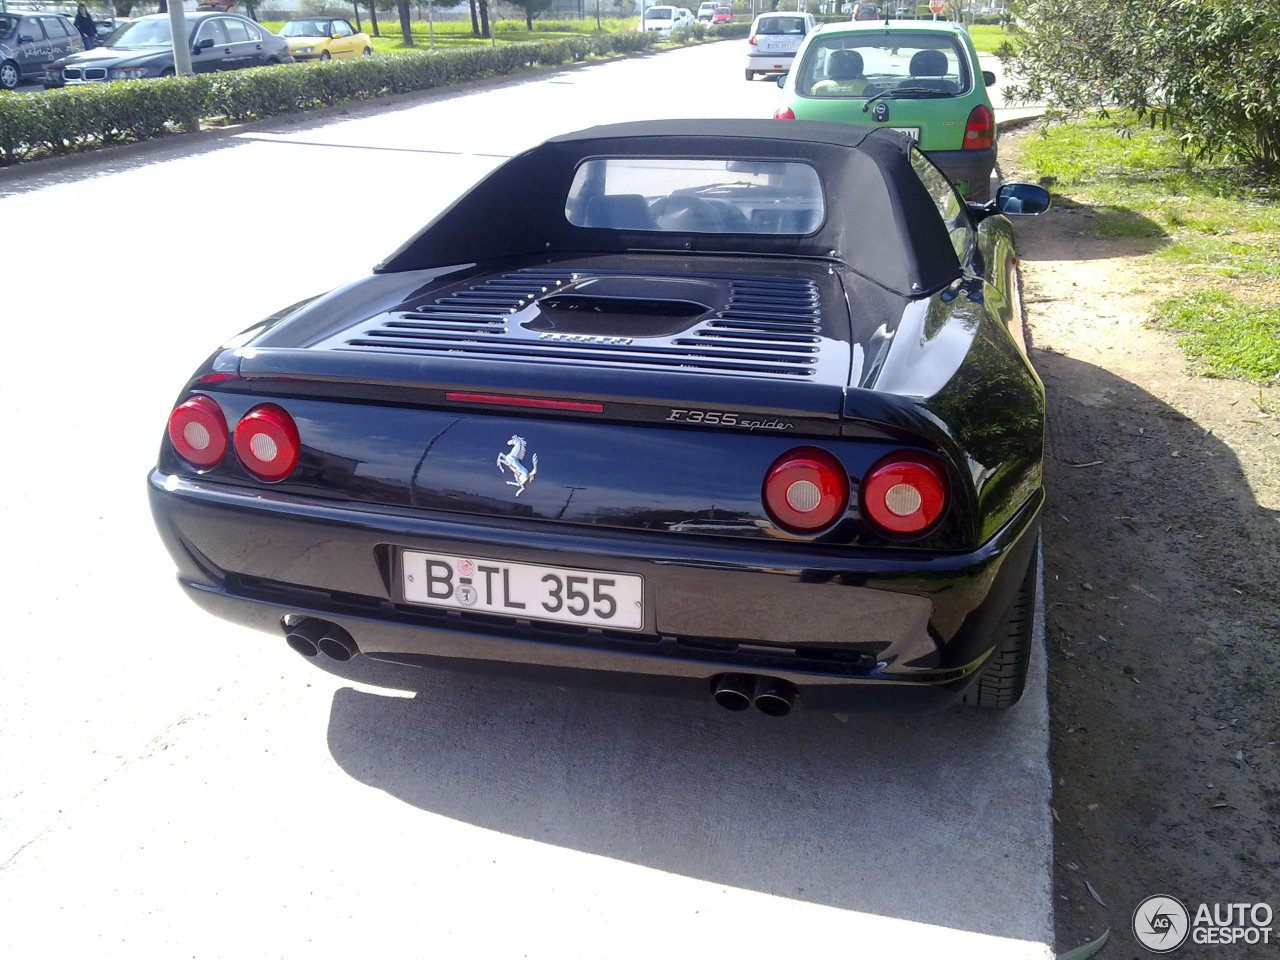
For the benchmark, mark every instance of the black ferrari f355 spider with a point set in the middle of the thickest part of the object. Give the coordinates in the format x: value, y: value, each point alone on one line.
x: 737, y: 408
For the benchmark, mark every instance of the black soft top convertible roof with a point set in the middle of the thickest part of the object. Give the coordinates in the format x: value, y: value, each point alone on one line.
x: 880, y: 220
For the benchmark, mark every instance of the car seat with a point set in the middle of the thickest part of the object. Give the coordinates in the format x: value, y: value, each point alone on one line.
x: 619, y: 211
x: 844, y: 75
x: 928, y: 67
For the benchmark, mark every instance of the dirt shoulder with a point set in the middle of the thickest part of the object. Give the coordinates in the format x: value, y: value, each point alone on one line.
x: 1162, y: 568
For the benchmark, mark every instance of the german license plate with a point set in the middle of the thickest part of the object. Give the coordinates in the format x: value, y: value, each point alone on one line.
x: 586, y: 597
x: 912, y: 132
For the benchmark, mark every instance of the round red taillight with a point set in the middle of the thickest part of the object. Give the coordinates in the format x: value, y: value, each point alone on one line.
x: 267, y: 442
x: 806, y: 489
x: 904, y: 493
x: 198, y: 431
x: 784, y: 113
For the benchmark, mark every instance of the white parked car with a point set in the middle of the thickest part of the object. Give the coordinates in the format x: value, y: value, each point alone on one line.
x: 665, y: 19
x: 774, y: 40
x: 707, y: 10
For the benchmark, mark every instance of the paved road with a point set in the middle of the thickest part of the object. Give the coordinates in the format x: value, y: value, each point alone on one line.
x: 174, y: 786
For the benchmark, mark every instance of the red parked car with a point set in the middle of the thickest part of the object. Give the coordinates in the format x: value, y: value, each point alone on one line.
x: 722, y: 15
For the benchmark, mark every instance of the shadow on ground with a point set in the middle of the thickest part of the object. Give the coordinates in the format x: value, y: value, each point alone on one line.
x: 1162, y: 622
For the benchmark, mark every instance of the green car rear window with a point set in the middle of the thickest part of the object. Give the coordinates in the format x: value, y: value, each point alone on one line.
x: 891, y: 64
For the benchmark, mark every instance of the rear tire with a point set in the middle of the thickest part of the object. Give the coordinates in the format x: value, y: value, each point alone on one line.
x: 10, y: 75
x: 368, y: 51
x: 1004, y: 678
x: 751, y: 75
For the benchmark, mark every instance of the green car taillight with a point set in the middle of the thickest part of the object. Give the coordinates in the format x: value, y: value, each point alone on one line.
x: 980, y: 130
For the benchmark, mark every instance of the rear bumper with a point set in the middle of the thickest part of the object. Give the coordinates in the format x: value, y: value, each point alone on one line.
x: 850, y: 629
x: 771, y: 62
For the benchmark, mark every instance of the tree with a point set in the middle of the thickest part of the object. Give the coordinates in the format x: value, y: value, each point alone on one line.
x: 406, y: 28
x: 1207, y: 69
x: 531, y: 10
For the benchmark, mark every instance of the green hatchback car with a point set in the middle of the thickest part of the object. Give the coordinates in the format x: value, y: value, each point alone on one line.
x: 918, y: 76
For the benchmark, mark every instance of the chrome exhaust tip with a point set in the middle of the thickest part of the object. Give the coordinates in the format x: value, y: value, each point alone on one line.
x: 732, y: 691
x: 774, y: 697
x: 303, y: 636
x: 336, y: 643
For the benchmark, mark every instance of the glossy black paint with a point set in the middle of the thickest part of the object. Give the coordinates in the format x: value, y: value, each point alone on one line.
x: 691, y: 374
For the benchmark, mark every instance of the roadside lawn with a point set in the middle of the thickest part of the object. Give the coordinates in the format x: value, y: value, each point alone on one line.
x: 1211, y: 235
x: 450, y: 34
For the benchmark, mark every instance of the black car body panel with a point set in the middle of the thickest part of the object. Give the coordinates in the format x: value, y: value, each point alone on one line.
x: 606, y: 404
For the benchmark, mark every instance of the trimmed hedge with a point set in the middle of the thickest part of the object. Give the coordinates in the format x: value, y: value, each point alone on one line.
x: 60, y: 121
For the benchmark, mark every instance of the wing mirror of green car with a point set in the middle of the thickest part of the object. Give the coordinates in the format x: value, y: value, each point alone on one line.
x: 989, y: 78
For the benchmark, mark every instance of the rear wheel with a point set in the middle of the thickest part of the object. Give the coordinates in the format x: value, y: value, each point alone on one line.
x: 751, y: 74
x: 9, y: 75
x: 368, y: 51
x: 1005, y: 676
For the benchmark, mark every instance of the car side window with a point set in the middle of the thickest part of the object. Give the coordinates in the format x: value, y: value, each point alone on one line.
x: 950, y: 207
x: 237, y: 31
x: 54, y: 28
x: 30, y: 29
x: 342, y: 29
x: 211, y: 30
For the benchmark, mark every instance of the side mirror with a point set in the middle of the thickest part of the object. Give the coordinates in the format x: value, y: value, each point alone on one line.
x: 988, y: 78
x: 26, y: 39
x: 782, y: 79
x: 1022, y: 199
x: 204, y: 44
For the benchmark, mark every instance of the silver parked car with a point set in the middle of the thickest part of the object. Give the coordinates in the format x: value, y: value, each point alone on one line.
x: 30, y: 41
x: 774, y: 40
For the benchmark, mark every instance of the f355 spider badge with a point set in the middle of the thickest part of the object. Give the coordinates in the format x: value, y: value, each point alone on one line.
x: 513, y: 460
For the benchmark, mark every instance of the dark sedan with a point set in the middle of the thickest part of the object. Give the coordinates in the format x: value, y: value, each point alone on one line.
x: 144, y: 48
x: 736, y: 408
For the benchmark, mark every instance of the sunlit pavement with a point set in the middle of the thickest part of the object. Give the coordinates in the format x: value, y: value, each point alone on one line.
x: 176, y: 786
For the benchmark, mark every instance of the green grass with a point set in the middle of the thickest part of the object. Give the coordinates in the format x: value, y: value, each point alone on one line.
x: 451, y: 34
x: 988, y: 38
x: 1225, y: 337
x: 1213, y: 229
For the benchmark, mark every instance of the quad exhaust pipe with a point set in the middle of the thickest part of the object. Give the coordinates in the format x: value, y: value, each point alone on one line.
x: 311, y: 636
x: 770, y: 695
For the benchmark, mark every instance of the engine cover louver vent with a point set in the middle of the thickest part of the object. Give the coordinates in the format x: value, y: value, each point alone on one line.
x: 738, y: 325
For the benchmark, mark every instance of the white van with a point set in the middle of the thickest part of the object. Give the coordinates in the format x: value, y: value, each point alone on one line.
x: 707, y: 10
x: 774, y: 40
x: 665, y: 19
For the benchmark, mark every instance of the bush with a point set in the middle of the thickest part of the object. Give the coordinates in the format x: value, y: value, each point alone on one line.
x: 1206, y: 70
x: 83, y: 117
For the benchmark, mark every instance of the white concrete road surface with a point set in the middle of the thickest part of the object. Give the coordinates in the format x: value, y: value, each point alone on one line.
x: 173, y: 786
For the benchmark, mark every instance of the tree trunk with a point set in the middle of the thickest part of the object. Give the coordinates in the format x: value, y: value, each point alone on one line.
x: 405, y: 26
x: 475, y: 22
x: 484, y: 17
x: 373, y: 17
